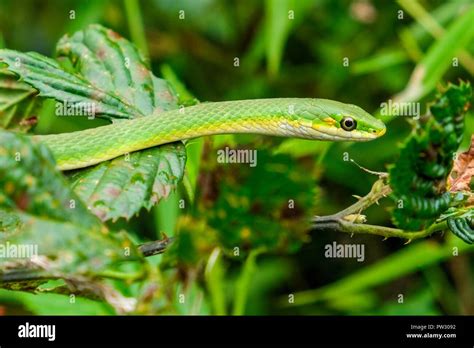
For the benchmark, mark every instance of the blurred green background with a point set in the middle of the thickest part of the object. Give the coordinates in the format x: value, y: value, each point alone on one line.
x: 361, y: 52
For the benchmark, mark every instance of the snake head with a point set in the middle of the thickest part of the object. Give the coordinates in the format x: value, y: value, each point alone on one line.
x: 331, y: 120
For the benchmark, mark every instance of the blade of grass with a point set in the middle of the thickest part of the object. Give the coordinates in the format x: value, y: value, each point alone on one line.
x: 439, y: 57
x: 277, y: 27
x: 194, y: 150
x: 417, y: 11
x: 185, y: 97
x: 430, y: 70
x: 244, y: 282
x: 442, y: 15
x: 416, y: 33
x: 411, y: 46
x: 214, y: 275
x: 280, y: 17
x: 442, y: 290
x: 406, y: 261
x: 135, y: 25
x: 379, y: 62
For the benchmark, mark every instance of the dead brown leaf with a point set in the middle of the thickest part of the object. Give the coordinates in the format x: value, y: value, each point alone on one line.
x: 463, y: 170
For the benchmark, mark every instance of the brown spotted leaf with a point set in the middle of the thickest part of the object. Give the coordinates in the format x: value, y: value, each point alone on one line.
x: 121, y: 187
x: 112, y: 64
x: 41, y: 213
x: 52, y: 81
x: 30, y: 183
x: 108, y: 72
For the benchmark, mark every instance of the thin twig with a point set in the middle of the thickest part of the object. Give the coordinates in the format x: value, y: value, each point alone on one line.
x: 380, y: 189
x: 340, y: 225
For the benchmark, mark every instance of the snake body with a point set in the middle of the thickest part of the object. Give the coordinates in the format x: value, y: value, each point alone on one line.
x: 320, y: 119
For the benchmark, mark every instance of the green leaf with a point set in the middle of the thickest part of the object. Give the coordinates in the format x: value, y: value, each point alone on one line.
x: 215, y: 274
x: 64, y: 250
x: 18, y: 105
x: 39, y: 211
x: 379, y: 62
x: 112, y: 64
x: 463, y: 226
x: 121, y: 187
x: 54, y: 304
x: 404, y: 262
x: 30, y: 183
x: 243, y: 284
x: 280, y: 16
x: 51, y: 81
x: 439, y: 57
x: 110, y: 74
x: 9, y: 222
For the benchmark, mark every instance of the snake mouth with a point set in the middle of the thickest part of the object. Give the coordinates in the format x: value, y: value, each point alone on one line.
x: 381, y: 132
x: 366, y: 136
x: 311, y: 130
x: 354, y: 135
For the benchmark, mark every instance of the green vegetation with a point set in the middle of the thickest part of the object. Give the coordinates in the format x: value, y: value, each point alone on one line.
x: 170, y: 230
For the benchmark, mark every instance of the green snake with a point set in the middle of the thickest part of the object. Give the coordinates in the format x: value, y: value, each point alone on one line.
x: 306, y: 118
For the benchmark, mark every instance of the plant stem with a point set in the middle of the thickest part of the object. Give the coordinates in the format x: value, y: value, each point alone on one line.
x: 121, y: 276
x: 338, y: 222
x: 341, y: 225
x: 378, y: 191
x: 135, y: 25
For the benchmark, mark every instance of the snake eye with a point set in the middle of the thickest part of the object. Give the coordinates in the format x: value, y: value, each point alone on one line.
x: 348, y: 123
